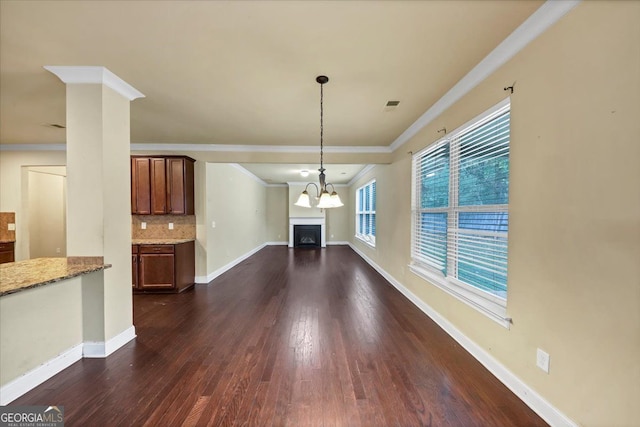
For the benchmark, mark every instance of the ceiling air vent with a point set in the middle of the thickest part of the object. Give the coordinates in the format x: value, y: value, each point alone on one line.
x: 391, y: 106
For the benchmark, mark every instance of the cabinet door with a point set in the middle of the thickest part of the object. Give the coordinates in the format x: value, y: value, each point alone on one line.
x: 156, y: 271
x: 134, y: 270
x: 158, y: 186
x: 140, y: 186
x: 6, y: 256
x: 175, y: 186
x: 7, y: 252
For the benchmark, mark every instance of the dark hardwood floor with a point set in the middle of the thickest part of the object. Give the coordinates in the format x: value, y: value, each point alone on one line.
x: 303, y: 337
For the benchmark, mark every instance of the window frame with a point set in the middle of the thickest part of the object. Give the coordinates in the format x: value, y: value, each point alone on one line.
x: 369, y: 239
x: 487, y: 303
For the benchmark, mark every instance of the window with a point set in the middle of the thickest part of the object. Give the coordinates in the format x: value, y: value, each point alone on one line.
x: 366, y: 213
x: 460, y: 212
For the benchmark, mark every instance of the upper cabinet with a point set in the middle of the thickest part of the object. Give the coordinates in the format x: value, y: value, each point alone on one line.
x: 162, y: 185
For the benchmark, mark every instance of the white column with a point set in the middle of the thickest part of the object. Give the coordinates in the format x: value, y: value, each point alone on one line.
x: 98, y: 195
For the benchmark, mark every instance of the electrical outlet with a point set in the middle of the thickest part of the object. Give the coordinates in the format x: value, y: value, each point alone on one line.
x: 11, y: 226
x: 170, y: 226
x: 542, y: 360
x: 213, y: 224
x: 143, y: 225
x: 57, y: 250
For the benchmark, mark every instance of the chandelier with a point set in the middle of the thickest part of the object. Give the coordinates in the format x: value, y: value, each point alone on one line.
x: 325, y: 199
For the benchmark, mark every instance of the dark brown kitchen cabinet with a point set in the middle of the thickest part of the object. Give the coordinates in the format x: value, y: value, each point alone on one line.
x: 140, y: 186
x: 180, y: 189
x: 134, y: 265
x: 7, y: 252
x: 165, y: 268
x: 162, y: 185
x: 158, y: 186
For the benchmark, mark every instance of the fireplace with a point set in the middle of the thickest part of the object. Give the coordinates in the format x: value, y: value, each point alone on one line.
x: 307, y: 236
x: 318, y: 223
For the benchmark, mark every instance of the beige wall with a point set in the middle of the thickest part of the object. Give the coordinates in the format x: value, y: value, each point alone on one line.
x: 338, y: 219
x: 295, y: 189
x: 277, y: 213
x: 47, y: 213
x: 236, y: 202
x: 200, y: 195
x: 36, y: 325
x: 14, y: 188
x: 574, y: 237
x: 280, y: 206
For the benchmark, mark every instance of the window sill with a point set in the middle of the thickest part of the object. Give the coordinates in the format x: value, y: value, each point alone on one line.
x: 365, y: 240
x: 491, y: 309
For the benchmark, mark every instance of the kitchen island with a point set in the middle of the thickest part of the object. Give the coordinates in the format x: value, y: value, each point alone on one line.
x: 32, y: 273
x: 47, y: 307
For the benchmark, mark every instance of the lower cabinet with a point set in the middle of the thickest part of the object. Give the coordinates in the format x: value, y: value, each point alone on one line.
x: 134, y: 265
x: 163, y: 268
x: 7, y: 253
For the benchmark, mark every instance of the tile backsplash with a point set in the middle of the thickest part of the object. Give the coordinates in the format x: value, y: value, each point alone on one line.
x: 184, y: 227
x: 7, y: 218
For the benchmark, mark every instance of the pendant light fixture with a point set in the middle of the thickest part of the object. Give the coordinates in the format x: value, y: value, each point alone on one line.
x: 325, y: 199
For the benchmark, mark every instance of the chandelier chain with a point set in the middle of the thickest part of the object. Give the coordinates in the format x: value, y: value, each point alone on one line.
x: 321, y: 123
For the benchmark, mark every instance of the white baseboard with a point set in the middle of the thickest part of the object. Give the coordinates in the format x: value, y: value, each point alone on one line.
x: 203, y: 280
x: 16, y: 388
x: 21, y: 385
x: 120, y: 340
x: 277, y: 243
x: 530, y: 397
x: 94, y: 349
x: 337, y: 242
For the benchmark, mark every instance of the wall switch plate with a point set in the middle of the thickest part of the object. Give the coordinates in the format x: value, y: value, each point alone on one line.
x: 11, y: 226
x: 542, y: 360
x: 143, y: 225
x: 170, y: 226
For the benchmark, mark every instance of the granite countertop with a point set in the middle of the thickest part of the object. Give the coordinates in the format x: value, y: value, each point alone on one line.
x: 21, y: 275
x: 160, y: 241
x: 7, y: 241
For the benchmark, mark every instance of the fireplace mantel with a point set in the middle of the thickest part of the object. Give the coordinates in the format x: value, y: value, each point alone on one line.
x: 308, y: 221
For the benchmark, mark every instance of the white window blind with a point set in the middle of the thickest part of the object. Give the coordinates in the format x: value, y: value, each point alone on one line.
x: 366, y: 213
x: 461, y: 207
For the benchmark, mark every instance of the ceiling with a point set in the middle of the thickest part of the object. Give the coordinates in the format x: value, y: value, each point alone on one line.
x: 243, y: 72
x: 338, y: 174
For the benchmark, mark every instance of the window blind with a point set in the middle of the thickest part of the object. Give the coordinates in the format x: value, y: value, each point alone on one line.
x: 366, y: 212
x: 460, y: 204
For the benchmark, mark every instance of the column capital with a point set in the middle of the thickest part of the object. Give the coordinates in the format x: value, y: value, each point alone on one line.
x: 85, y: 74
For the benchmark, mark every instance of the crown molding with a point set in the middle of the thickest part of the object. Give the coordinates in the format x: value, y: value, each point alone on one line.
x: 258, y: 148
x: 33, y: 147
x: 84, y: 74
x: 546, y: 15
x: 210, y: 148
x: 248, y: 173
x: 360, y: 174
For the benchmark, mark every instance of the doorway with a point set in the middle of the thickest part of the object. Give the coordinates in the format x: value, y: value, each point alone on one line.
x: 47, y: 211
